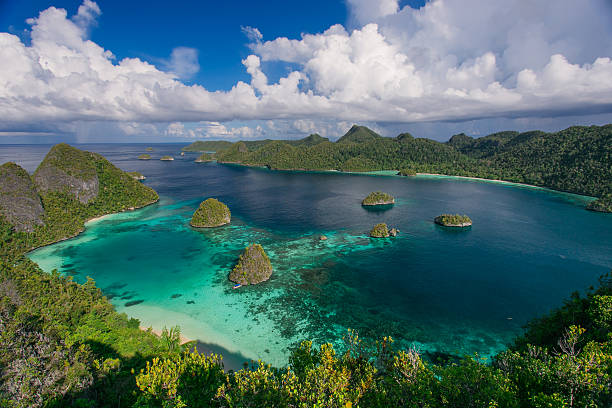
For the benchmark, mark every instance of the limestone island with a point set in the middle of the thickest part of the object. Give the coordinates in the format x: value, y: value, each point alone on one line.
x: 167, y: 158
x: 603, y: 204
x: 204, y: 157
x: 382, y: 231
x: 453, y: 220
x: 378, y: 198
x: 406, y: 172
x: 253, y: 267
x: 149, y: 149
x: 144, y: 157
x: 211, y: 213
x: 136, y: 175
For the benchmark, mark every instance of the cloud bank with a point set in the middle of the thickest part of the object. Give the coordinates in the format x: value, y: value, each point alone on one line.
x: 452, y: 60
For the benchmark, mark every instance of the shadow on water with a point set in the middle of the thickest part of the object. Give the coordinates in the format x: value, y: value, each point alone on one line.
x: 231, y: 361
x: 377, y: 208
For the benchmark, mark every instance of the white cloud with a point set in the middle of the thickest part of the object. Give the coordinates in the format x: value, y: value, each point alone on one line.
x: 184, y: 62
x: 452, y: 60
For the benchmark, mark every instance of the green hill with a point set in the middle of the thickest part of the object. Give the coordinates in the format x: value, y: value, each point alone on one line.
x: 359, y: 134
x: 577, y: 160
x: 207, y: 146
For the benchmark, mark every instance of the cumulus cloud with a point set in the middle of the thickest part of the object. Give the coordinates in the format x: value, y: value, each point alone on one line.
x: 184, y: 62
x: 452, y: 60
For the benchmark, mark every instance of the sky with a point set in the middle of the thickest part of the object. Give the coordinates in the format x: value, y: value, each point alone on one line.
x: 158, y: 71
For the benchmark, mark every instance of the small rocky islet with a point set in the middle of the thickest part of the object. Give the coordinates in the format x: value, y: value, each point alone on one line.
x: 136, y: 175
x: 378, y: 198
x: 253, y: 267
x: 166, y: 158
x: 381, y: 230
x: 144, y: 156
x: 211, y: 213
x: 453, y: 220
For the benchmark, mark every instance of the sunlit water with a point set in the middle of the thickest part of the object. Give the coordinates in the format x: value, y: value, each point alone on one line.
x: 440, y: 290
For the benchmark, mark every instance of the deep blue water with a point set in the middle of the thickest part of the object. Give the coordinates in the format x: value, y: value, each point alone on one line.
x: 456, y: 292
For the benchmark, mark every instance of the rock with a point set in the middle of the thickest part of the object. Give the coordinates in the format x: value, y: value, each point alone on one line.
x: 167, y: 158
x: 182, y: 153
x: 66, y: 168
x: 211, y: 213
x: 149, y: 149
x: 19, y: 201
x: 453, y: 220
x: 253, y: 267
x: 378, y: 198
x: 136, y: 175
x: 380, y: 231
x: 322, y: 238
x: 144, y: 157
x: 393, y: 232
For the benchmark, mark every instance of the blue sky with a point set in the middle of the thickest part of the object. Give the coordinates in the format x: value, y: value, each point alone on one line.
x: 136, y: 70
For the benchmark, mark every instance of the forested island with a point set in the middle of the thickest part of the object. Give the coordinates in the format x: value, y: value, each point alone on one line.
x: 253, y: 267
x: 144, y: 156
x: 453, y: 220
x: 211, y: 213
x: 577, y: 159
x: 63, y: 344
x: 378, y: 198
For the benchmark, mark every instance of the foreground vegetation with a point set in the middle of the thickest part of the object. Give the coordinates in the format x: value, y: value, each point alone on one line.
x: 577, y: 159
x: 63, y: 345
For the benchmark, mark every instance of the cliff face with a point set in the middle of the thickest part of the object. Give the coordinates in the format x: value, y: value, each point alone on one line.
x: 68, y: 169
x: 19, y: 202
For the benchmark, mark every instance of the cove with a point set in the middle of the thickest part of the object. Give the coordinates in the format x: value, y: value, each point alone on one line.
x: 439, y: 290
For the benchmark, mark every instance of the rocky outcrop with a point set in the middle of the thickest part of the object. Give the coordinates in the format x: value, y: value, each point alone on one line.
x: 253, y: 267
x: 20, y: 203
x: 144, y: 157
x: 211, y: 213
x: 167, y: 158
x: 67, y: 169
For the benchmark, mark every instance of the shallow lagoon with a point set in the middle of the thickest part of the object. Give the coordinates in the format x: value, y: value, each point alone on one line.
x: 441, y: 290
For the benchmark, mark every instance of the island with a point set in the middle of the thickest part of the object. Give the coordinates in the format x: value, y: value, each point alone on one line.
x: 149, y: 149
x: 136, y: 175
x: 167, y: 158
x: 453, y: 220
x: 204, y: 157
x: 603, y: 204
x: 211, y: 213
x: 253, y: 267
x: 378, y: 198
x: 380, y: 231
x: 144, y: 156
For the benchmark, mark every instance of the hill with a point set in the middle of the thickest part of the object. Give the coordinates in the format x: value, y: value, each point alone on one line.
x: 359, y: 134
x: 72, y: 186
x: 577, y: 159
x: 19, y: 200
x: 207, y: 146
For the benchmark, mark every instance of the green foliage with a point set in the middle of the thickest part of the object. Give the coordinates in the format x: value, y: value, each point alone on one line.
x: 359, y: 134
x: 205, y: 157
x: 211, y: 213
x: 453, y: 220
x: 208, y: 146
x: 380, y: 231
x: 187, y: 380
x: 407, y: 172
x: 149, y: 149
x: 603, y: 204
x: 144, y: 156
x: 377, y: 198
x: 253, y: 267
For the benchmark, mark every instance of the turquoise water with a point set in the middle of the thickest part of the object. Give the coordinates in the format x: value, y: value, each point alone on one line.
x: 440, y: 290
